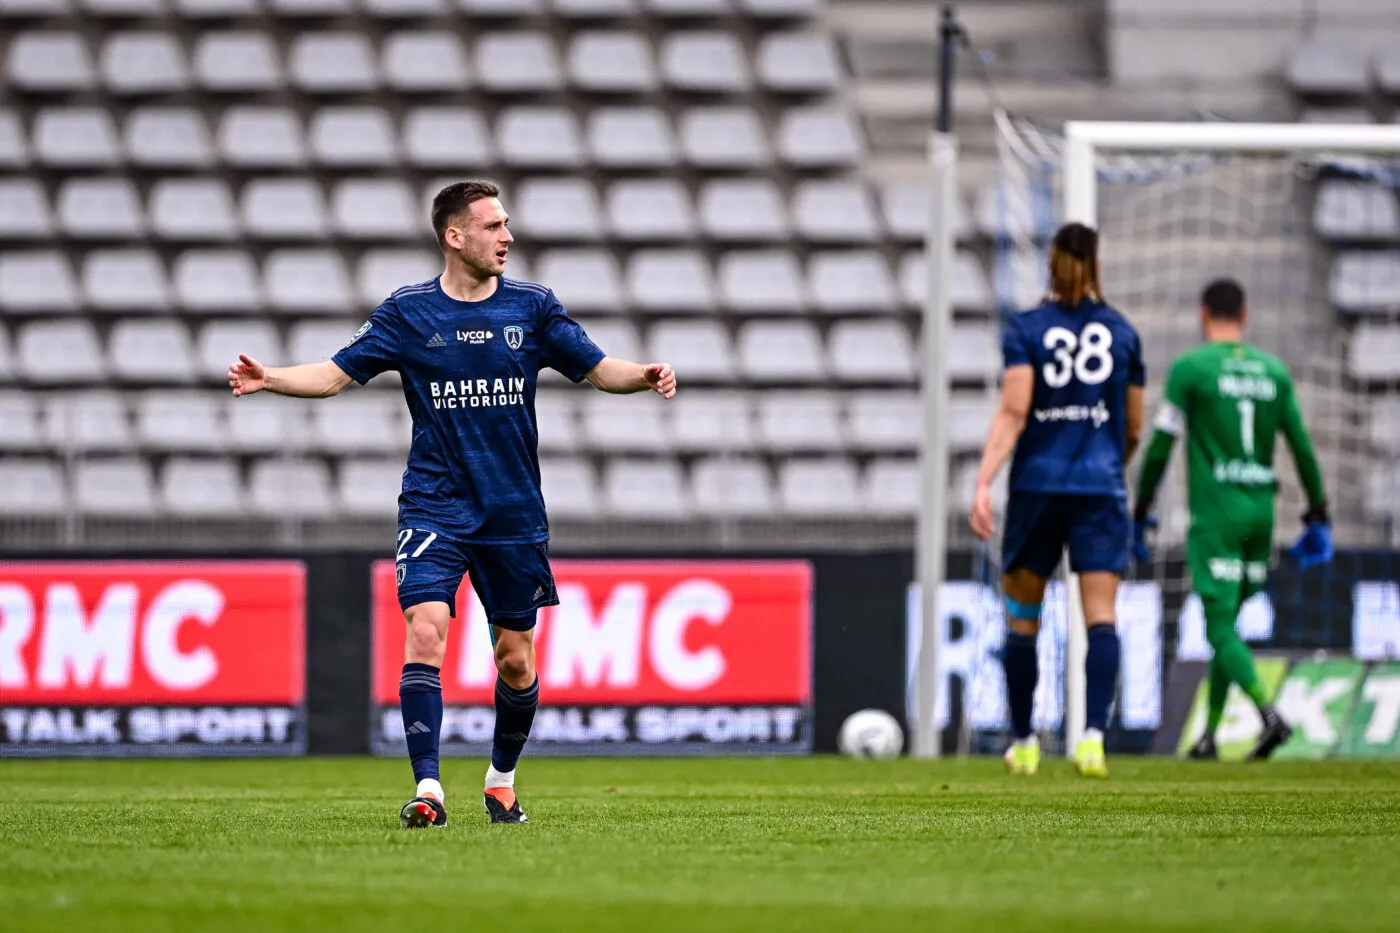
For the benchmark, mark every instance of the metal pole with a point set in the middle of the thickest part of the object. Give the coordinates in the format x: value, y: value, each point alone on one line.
x: 948, y: 34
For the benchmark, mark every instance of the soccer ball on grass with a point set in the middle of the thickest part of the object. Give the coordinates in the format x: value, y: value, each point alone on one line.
x: 870, y: 733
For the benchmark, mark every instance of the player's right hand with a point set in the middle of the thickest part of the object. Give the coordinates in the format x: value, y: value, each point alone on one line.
x: 1142, y: 551
x: 981, y: 517
x: 246, y: 376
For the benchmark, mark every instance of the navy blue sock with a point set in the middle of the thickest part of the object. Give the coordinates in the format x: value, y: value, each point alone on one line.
x: 1100, y: 674
x: 420, y: 702
x: 1022, y: 671
x: 515, y: 714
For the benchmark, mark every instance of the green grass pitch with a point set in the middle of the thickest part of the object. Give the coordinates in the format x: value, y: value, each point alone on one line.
x: 705, y: 845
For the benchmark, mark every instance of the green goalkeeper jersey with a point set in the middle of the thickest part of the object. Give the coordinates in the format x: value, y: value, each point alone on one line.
x: 1231, y: 401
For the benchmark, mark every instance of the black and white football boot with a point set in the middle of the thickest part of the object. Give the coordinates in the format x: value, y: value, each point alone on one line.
x: 422, y: 812
x: 500, y: 813
x: 1204, y: 749
x: 1276, y: 733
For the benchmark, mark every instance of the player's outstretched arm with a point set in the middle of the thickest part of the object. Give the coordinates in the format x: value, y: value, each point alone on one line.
x: 309, y: 380
x: 1017, y: 387
x: 623, y: 377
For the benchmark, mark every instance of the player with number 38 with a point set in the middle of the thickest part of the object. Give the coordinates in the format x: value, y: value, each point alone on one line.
x: 1071, y: 410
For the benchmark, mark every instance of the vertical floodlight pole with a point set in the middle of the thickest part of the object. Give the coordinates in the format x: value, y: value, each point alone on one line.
x: 937, y: 332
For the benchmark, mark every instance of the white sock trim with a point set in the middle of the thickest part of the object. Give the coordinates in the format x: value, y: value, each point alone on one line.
x: 496, y: 778
x: 1093, y: 734
x: 429, y: 786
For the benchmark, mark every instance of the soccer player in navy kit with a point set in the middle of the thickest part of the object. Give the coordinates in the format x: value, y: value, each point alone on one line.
x: 1071, y: 407
x: 469, y: 346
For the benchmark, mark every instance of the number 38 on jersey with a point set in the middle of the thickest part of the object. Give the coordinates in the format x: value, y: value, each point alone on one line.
x: 1083, y: 356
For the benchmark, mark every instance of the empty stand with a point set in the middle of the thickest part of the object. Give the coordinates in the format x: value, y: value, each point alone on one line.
x: 706, y: 421
x: 670, y: 280
x: 631, y: 137
x: 585, y: 280
x: 417, y: 62
x: 540, y: 137
x: 738, y: 487
x: 700, y: 349
x: 761, y: 282
x: 645, y: 489
x: 851, y: 281
x: 125, y: 280
x: 876, y: 351
x: 75, y: 137
x: 201, y: 488
x: 210, y: 281
x: 144, y: 62
x: 261, y: 137
x: 51, y: 352
x: 800, y: 421
x: 144, y: 351
x: 116, y: 486
x: 612, y: 62
x: 823, y: 488
x: 287, y: 488
x: 181, y: 421
x: 37, y: 281
x: 168, y: 137
x: 521, y: 62
x: 776, y: 352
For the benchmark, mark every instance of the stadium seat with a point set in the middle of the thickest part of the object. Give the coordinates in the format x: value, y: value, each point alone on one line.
x: 615, y: 337
x: 287, y: 488
x: 168, y: 137
x: 890, y: 487
x: 114, y: 487
x: 447, y: 138
x: 216, y: 280
x: 181, y: 421
x: 826, y: 488
x: 645, y: 489
x: 314, y: 340
x: 220, y: 342
x: 24, y: 210
x: 409, y: 9
x: 594, y: 9
x: 87, y: 421
x: 310, y: 281
x: 193, y: 209
x: 708, y: 421
x: 32, y: 486
x: 1322, y: 68
x: 266, y: 423
x: 1384, y: 424
x: 970, y: 289
x: 9, y: 368
x: 1366, y: 282
x: 905, y: 208
x: 262, y: 137
x: 1356, y: 211
x: 557, y: 209
x: 631, y: 137
x: 520, y: 62
x: 19, y: 421
x: 51, y: 352
x: 789, y: 422
x: 884, y: 421
x: 1005, y: 212
x: 216, y: 9
x: 357, y: 422
x: 125, y: 280
x: 1373, y: 353
x: 14, y: 150
x: 145, y: 62
x: 688, y: 8
x: 150, y: 351
x: 100, y: 208
x: 622, y: 428
x: 851, y: 281
x: 424, y: 62
x: 712, y: 62
x: 762, y: 282
x: 376, y: 209
x: 799, y: 62
x: 201, y: 488
x: 556, y: 418
x: 699, y: 349
x: 332, y: 63
x: 650, y: 209
x: 25, y: 8
x: 75, y: 137
x: 820, y: 137
x: 48, y: 61
x: 743, y: 209
x: 969, y: 415
x: 370, y: 487
x: 570, y: 487
x: 1387, y: 68
x: 670, y: 280
x: 585, y: 280
x: 716, y: 138
x: 353, y: 137
x: 539, y: 137
x: 732, y: 487
x: 1336, y: 115
x: 611, y: 62
x: 781, y: 9
x: 311, y: 7
x: 122, y: 8
x: 37, y: 281
x: 786, y: 351
x: 501, y: 8
x: 834, y: 211
x: 871, y: 351
x: 975, y: 351
x: 381, y: 272
x: 240, y: 62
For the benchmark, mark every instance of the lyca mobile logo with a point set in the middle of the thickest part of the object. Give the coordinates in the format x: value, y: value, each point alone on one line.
x: 474, y: 336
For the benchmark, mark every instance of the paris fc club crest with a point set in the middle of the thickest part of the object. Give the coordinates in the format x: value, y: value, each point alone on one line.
x: 400, y: 571
x: 515, y: 336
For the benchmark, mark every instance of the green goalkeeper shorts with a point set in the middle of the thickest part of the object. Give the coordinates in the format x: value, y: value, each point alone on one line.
x: 1229, y: 555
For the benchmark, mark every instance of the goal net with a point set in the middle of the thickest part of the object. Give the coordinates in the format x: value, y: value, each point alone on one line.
x: 1305, y: 217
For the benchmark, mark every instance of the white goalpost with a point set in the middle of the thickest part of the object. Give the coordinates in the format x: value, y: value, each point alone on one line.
x: 1176, y: 205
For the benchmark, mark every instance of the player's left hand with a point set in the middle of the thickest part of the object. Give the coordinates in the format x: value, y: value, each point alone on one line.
x: 1314, y: 547
x: 662, y: 378
x: 981, y: 517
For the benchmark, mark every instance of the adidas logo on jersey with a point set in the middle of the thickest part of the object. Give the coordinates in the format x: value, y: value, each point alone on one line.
x: 437, y: 341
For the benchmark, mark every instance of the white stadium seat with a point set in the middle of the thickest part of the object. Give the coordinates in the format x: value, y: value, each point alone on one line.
x: 670, y: 280
x: 381, y: 272
x: 539, y: 137
x: 884, y: 421
x: 570, y: 488
x: 615, y: 337
x: 557, y: 209
x: 353, y: 137
x: 8, y: 366
x: 332, y: 63
x: 196, y: 9
x: 1373, y: 353
x: 14, y: 150
x: 217, y: 280
x: 732, y: 487
x: 1320, y: 67
x: 264, y: 422
x: 699, y: 350
x: 24, y: 210
x: 52, y: 352
x: 87, y: 421
x: 826, y: 488
x: 631, y: 137
x: 181, y: 421
x: 114, y: 487
x: 762, y: 282
x: 39, y: 281
x: 375, y: 209
x: 743, y: 210
x: 707, y: 61
x: 851, y: 281
x: 406, y: 8
x: 890, y: 487
x: 310, y: 341
x: 144, y: 62
x: 284, y: 209
x: 100, y: 209
x: 585, y: 280
x: 220, y: 342
x: 150, y: 351
x: 781, y: 9
x: 593, y: 9
x: 716, y: 138
x: 262, y: 137
x: 707, y: 421
x: 834, y: 211
x: 287, y: 488
x: 310, y: 281
x: 1367, y: 282
x: 370, y: 487
x: 447, y: 138
x: 168, y: 137
x: 518, y: 62
x: 871, y: 351
x: 201, y: 488
x: 239, y: 62
x: 800, y: 421
x: 614, y: 428
x: 125, y: 280
x: 799, y: 62
x: 645, y: 489
x: 49, y: 61
x: 425, y: 61
x: 75, y: 137
x: 820, y: 136
x: 19, y: 421
x: 612, y: 62
x: 193, y: 209
x: 969, y: 416
x: 556, y: 415
x: 975, y: 351
x: 1356, y: 211
x: 650, y: 209
x: 787, y: 351
x: 359, y: 422
x: 32, y: 487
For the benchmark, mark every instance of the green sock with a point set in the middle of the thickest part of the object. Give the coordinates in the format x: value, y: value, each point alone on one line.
x: 1235, y: 660
x: 1219, y: 690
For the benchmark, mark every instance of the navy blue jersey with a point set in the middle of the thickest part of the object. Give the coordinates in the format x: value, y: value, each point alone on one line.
x: 1084, y: 360
x: 469, y: 370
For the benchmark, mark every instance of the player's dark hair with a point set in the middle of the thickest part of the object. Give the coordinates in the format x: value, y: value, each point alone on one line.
x: 456, y: 198
x: 1074, y: 265
x: 1223, y: 300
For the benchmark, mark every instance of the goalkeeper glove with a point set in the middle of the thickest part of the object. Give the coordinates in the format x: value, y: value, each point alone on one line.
x: 1142, y: 551
x: 1314, y: 547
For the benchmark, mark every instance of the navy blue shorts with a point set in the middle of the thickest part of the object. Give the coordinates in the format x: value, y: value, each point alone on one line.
x: 512, y: 580
x: 1039, y: 526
